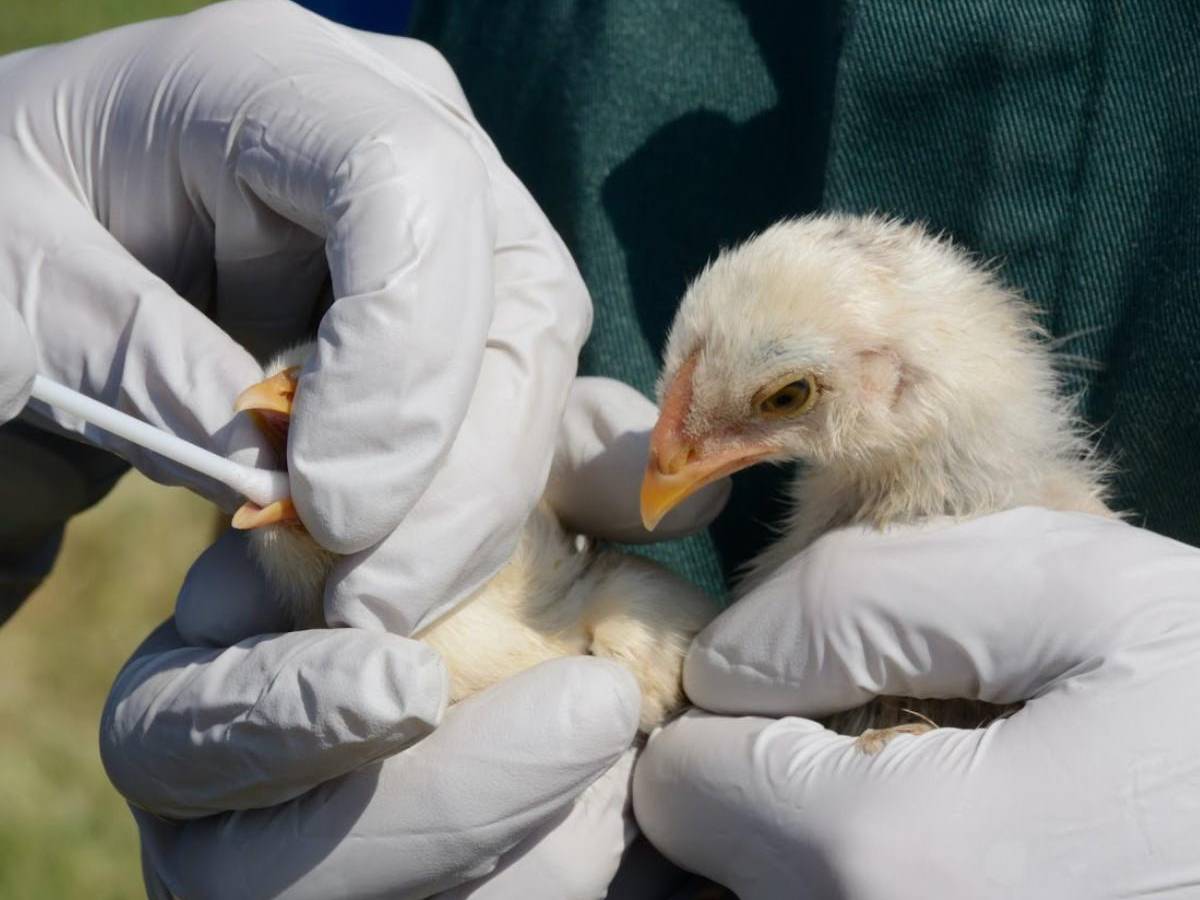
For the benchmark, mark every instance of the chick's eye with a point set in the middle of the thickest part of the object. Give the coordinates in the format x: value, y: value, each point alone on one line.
x: 793, y: 398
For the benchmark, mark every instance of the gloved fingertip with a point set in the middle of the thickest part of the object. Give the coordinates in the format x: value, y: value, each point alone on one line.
x: 674, y: 789
x: 605, y: 406
x: 18, y: 363
x: 741, y: 685
x: 343, y: 518
x: 713, y: 793
x: 224, y: 597
x: 607, y: 696
x: 584, y: 707
x: 402, y: 689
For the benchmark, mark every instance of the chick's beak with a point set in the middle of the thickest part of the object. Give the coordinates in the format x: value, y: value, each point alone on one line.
x: 270, y: 402
x: 677, y: 467
x: 663, y: 490
x: 275, y: 394
x: 674, y: 474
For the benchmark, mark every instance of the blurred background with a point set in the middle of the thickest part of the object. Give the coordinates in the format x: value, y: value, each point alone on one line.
x: 64, y: 832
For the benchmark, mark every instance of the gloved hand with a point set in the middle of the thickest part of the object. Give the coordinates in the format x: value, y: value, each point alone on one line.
x: 180, y: 190
x: 217, y: 713
x: 17, y: 363
x: 1092, y: 790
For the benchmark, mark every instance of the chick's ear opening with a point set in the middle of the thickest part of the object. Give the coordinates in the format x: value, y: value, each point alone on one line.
x: 882, y: 375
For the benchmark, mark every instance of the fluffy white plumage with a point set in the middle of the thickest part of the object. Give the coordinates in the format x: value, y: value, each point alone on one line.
x: 557, y: 596
x: 917, y: 386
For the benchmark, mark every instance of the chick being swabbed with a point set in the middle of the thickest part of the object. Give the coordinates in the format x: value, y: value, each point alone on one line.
x: 909, y: 382
x: 555, y: 597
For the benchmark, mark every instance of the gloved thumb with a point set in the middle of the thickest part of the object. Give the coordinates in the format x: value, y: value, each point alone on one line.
x: 765, y: 805
x: 994, y: 609
x: 18, y: 363
x: 214, y: 712
x: 599, y: 460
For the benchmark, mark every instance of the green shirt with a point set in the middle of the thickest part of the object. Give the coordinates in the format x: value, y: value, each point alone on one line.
x: 1059, y: 138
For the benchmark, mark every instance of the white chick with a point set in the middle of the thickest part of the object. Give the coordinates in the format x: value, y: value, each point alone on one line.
x: 901, y: 373
x: 557, y: 596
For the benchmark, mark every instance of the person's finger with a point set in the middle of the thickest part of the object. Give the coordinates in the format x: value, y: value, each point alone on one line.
x: 393, y: 181
x: 225, y: 597
x: 418, y: 60
x: 464, y: 527
x: 603, y: 446
x: 18, y: 363
x: 1081, y: 793
x: 572, y: 857
x: 456, y: 527
x: 1000, y: 609
x: 435, y: 251
x: 190, y: 731
x: 105, y: 325
x: 410, y: 320
x: 701, y: 802
x: 502, y: 763
x: 593, y: 488
x: 783, y: 808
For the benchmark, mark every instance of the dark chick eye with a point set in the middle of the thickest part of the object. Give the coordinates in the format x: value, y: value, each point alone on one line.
x: 791, y: 397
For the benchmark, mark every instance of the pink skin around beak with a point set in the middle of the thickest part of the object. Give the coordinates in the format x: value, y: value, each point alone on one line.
x: 677, y: 467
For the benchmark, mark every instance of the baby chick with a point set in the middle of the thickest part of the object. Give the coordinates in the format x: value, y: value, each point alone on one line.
x: 908, y: 381
x: 557, y: 596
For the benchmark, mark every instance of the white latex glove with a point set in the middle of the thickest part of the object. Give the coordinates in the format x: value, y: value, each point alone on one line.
x: 17, y: 363
x: 1093, y: 790
x: 179, y: 190
x: 217, y: 713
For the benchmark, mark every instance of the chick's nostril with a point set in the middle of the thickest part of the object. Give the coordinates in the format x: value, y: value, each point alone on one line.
x: 674, y: 461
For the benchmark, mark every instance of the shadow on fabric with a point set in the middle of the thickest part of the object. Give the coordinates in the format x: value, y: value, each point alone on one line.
x: 703, y: 182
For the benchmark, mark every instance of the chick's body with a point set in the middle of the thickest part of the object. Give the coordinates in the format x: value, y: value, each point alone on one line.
x: 557, y: 596
x: 905, y: 377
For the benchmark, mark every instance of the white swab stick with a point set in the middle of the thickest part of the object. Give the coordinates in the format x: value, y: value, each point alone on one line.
x: 263, y: 486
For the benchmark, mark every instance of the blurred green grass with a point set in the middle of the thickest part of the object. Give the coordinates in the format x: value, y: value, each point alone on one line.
x: 64, y: 832
x: 27, y: 23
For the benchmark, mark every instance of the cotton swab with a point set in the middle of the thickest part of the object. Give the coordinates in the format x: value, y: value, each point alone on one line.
x: 262, y: 486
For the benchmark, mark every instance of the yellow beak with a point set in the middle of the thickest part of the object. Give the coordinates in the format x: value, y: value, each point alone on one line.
x: 273, y: 395
x: 251, y: 515
x: 676, y: 469
x: 662, y: 493
x: 665, y: 487
x: 270, y: 402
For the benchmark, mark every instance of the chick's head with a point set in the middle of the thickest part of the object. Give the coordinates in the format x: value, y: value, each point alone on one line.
x: 833, y: 340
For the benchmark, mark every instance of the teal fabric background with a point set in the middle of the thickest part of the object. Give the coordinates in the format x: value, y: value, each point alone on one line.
x: 1060, y: 138
x: 653, y: 133
x: 1057, y: 137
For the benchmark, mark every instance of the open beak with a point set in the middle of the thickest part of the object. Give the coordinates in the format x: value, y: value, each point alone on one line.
x: 275, y: 394
x: 676, y: 468
x: 251, y: 515
x: 270, y: 402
